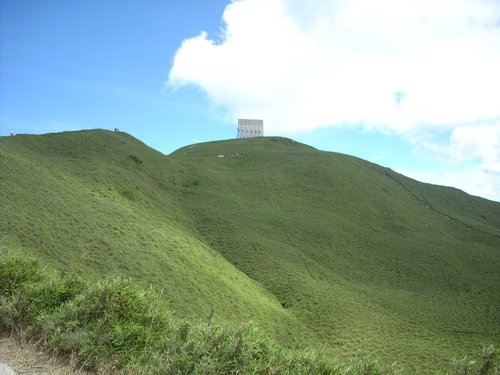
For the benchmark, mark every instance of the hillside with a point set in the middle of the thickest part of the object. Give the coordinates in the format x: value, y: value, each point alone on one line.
x: 314, y: 246
x: 102, y: 203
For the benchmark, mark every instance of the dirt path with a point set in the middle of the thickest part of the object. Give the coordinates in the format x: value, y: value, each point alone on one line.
x: 27, y: 359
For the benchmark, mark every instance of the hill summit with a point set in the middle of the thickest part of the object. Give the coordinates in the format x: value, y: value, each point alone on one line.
x: 317, y: 247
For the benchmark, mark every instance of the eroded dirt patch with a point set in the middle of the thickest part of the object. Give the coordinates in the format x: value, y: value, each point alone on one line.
x: 27, y: 359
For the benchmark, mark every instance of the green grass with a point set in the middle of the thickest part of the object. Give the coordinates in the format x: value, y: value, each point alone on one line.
x: 112, y: 326
x: 79, y: 202
x: 368, y: 259
x: 317, y: 248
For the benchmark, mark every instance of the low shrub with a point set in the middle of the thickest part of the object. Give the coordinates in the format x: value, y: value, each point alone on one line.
x: 116, y: 327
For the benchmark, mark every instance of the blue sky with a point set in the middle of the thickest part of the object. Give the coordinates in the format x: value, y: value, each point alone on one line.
x: 68, y: 65
x: 410, y: 84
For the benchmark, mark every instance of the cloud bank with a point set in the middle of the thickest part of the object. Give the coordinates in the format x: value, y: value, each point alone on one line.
x: 418, y: 68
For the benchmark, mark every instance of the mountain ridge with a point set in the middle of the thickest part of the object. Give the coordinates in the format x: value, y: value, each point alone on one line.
x: 313, y: 245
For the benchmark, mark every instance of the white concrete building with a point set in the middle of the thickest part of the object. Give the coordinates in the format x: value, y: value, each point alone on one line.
x: 250, y: 128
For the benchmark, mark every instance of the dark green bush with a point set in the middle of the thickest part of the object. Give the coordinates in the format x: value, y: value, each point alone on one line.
x: 16, y: 272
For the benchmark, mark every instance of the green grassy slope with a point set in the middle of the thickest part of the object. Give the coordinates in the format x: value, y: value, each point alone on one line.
x: 112, y: 326
x: 103, y: 204
x: 367, y: 258
x: 342, y: 252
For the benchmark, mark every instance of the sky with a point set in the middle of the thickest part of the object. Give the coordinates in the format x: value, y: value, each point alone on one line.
x: 413, y: 85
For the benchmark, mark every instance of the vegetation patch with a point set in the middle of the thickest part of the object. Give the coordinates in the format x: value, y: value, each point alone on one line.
x: 114, y: 326
x: 321, y: 250
x: 135, y: 159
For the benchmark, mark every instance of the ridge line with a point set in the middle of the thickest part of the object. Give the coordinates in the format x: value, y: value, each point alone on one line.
x: 426, y: 204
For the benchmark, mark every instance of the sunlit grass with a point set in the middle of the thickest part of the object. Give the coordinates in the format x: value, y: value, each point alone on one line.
x: 321, y: 250
x: 112, y: 326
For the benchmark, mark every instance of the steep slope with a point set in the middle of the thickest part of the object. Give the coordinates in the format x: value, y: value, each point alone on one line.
x: 367, y: 258
x: 103, y: 203
x: 343, y: 253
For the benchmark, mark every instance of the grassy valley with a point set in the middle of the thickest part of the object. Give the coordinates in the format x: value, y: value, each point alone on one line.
x: 321, y: 250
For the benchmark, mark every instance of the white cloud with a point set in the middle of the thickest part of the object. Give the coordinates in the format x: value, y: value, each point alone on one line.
x: 475, y: 146
x: 413, y: 67
x: 477, y: 142
x: 303, y: 65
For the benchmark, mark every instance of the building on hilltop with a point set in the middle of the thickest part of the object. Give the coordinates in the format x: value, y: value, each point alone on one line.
x: 250, y: 128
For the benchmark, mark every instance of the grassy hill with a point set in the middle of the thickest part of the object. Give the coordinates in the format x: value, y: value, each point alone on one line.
x: 317, y: 247
x: 102, y: 203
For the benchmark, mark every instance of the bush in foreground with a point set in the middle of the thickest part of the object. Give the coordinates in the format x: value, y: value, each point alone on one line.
x: 114, y: 326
